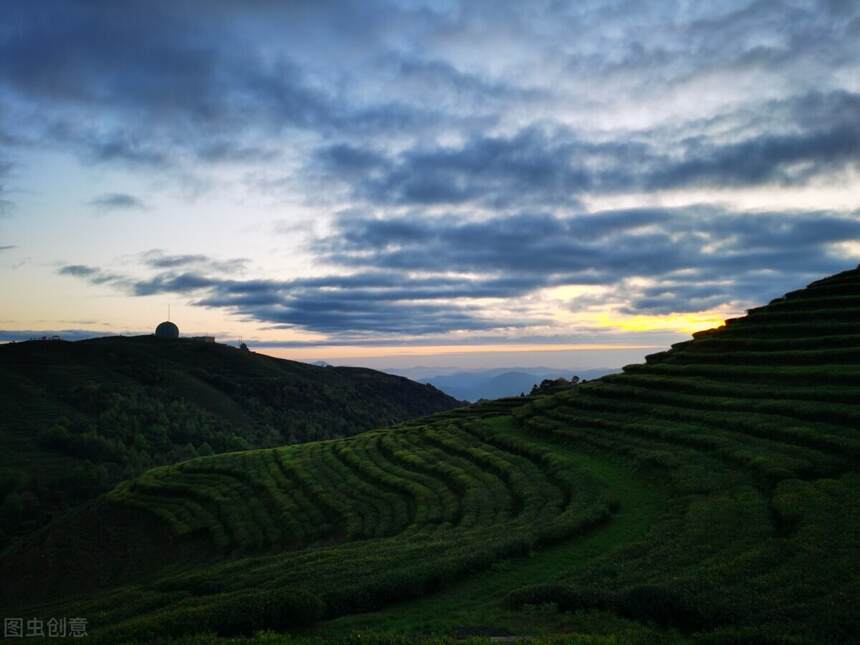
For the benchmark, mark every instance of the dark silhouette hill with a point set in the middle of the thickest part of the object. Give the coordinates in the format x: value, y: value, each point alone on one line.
x: 80, y: 416
x: 708, y: 496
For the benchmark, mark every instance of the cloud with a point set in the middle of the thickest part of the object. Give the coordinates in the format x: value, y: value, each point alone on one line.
x: 754, y: 254
x: 357, y: 305
x: 423, y: 116
x: 532, y: 167
x: 650, y: 241
x: 232, y: 152
x: 172, y: 283
x: 158, y: 259
x: 78, y: 270
x: 413, y: 277
x: 5, y: 171
x: 360, y: 304
x: 8, y: 247
x: 443, y: 84
x: 94, y: 275
x: 171, y: 77
x: 825, y: 139
x: 812, y: 136
x: 117, y: 201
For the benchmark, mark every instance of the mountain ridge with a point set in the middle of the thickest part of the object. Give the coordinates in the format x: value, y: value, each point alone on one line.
x: 497, y: 383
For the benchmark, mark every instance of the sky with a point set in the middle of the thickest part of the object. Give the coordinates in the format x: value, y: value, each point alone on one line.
x: 371, y: 181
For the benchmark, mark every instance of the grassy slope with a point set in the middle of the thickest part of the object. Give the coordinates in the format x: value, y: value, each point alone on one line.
x: 708, y: 495
x: 476, y: 602
x: 120, y: 405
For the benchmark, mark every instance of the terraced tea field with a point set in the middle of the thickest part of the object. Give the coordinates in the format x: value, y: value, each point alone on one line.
x: 709, y: 495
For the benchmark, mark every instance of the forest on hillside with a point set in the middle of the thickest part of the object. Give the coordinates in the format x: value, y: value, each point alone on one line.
x: 81, y: 417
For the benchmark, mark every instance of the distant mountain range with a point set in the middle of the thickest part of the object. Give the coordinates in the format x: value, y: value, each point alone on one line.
x: 473, y: 385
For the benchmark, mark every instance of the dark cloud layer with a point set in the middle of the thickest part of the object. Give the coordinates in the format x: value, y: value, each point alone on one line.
x: 532, y: 166
x: 416, y: 276
x: 825, y: 139
x: 599, y: 247
x: 353, y: 305
x: 165, y: 76
x: 171, y: 75
x: 552, y: 166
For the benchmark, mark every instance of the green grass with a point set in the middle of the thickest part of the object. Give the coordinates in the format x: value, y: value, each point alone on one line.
x: 481, y: 501
x: 477, y: 601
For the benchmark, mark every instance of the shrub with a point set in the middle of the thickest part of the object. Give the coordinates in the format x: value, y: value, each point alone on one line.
x: 280, y: 610
x: 661, y: 604
x: 565, y: 597
x: 764, y: 635
x: 657, y: 603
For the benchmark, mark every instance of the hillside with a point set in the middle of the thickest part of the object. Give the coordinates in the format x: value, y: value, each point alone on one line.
x: 709, y: 495
x: 79, y: 417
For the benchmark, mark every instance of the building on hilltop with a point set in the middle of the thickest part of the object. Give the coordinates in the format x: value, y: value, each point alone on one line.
x: 167, y: 330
